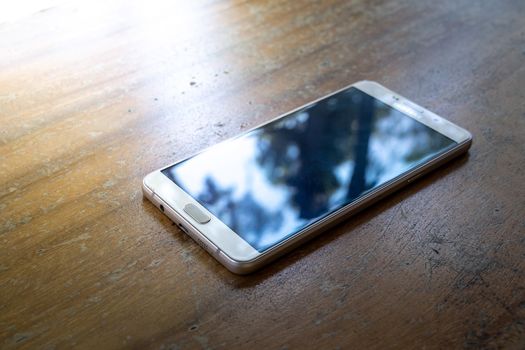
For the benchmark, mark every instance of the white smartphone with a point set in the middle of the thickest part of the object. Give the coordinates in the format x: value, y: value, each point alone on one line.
x: 250, y: 199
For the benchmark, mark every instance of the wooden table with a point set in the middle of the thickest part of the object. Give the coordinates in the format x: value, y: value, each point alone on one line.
x: 95, y: 96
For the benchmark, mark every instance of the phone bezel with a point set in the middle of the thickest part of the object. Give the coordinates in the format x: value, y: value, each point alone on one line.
x: 238, y: 255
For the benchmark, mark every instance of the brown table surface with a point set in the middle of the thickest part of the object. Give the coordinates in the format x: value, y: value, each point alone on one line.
x: 95, y: 96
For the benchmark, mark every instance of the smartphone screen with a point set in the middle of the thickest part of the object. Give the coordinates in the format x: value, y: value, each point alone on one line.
x: 278, y: 179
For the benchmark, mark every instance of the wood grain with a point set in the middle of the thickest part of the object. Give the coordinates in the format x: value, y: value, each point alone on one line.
x: 94, y: 95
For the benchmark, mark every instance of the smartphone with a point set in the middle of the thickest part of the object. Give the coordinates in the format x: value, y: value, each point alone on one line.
x: 251, y: 199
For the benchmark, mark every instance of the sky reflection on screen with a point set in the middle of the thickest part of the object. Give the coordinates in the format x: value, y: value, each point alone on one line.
x: 276, y: 180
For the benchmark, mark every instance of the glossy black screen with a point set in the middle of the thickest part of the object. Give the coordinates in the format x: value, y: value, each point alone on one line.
x: 277, y: 179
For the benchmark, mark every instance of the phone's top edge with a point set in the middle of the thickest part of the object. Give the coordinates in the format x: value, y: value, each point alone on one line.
x: 414, y: 111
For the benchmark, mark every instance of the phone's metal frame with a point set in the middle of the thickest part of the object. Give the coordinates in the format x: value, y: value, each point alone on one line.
x: 241, y: 258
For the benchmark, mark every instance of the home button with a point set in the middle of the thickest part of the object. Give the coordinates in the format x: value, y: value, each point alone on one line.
x: 196, y: 214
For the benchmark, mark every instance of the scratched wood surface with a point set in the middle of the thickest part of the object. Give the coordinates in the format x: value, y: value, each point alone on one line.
x: 94, y: 95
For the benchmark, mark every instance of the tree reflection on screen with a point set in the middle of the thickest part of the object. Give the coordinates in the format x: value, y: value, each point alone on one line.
x: 278, y: 179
